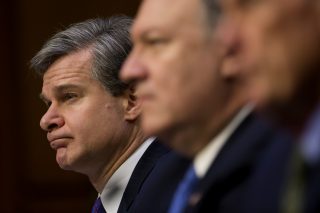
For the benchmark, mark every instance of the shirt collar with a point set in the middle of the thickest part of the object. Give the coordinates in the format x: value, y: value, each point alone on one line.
x: 208, y: 154
x: 310, y: 138
x: 113, y: 191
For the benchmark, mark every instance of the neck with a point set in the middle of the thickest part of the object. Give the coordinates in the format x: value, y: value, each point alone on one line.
x: 102, y: 175
x: 195, y: 136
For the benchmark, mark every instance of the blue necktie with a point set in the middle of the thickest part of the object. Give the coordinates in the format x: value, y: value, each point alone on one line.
x: 98, y: 207
x: 184, y: 191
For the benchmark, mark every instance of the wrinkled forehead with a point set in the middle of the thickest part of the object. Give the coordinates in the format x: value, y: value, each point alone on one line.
x: 168, y: 14
x: 72, y: 66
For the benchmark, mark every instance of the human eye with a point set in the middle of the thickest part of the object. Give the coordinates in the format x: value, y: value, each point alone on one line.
x: 154, y: 40
x: 69, y: 96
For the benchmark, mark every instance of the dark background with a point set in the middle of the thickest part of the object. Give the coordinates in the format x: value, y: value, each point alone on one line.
x: 31, y: 180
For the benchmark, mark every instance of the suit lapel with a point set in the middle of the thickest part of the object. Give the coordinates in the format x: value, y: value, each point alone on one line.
x: 233, y: 164
x: 141, y: 172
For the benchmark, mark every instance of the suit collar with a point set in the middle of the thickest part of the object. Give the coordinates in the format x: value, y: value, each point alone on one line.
x: 234, y: 162
x: 206, y: 157
x: 115, y: 187
x: 144, y: 167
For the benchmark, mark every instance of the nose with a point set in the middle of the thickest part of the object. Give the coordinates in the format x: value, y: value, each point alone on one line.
x: 51, y: 120
x: 133, y: 69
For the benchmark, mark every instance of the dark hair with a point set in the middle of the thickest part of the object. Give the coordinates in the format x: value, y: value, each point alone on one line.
x: 108, y: 40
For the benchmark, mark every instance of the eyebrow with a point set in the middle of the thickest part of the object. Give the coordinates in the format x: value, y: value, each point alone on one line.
x: 142, y: 32
x: 59, y: 89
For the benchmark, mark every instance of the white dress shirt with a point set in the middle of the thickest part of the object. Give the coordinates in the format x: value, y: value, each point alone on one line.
x: 206, y: 157
x: 113, y: 191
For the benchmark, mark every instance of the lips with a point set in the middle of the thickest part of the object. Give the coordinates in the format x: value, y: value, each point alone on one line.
x: 58, y: 141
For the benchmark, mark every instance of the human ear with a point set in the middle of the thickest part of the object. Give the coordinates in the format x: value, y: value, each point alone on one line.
x: 132, y: 104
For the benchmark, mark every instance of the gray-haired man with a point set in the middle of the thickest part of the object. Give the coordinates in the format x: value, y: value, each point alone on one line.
x: 92, y: 117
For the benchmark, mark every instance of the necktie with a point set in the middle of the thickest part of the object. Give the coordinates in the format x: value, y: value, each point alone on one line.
x: 184, y: 191
x: 98, y: 207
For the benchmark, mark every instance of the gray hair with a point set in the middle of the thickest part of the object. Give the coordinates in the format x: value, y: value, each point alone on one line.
x: 107, y: 39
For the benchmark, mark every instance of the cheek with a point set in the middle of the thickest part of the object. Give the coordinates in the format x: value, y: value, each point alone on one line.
x: 253, y: 42
x: 100, y: 133
x: 178, y: 74
x: 169, y: 77
x: 193, y: 86
x: 96, y: 121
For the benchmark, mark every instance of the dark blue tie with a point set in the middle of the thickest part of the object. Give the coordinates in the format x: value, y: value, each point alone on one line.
x: 184, y: 191
x: 98, y: 207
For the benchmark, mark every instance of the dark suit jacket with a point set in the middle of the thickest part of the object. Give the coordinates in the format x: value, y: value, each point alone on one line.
x: 312, y: 196
x: 224, y: 187
x: 265, y: 191
x: 268, y: 184
x: 153, y: 181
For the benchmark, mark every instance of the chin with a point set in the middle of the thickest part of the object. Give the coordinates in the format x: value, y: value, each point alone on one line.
x: 63, y: 164
x: 63, y: 161
x: 69, y: 166
x: 65, y: 167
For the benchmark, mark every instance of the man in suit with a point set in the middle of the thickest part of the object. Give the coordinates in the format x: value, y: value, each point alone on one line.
x: 280, y: 53
x: 176, y: 63
x: 92, y: 120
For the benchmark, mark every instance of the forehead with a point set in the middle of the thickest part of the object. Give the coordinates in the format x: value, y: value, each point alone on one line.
x: 73, y: 66
x: 168, y: 14
x: 249, y: 5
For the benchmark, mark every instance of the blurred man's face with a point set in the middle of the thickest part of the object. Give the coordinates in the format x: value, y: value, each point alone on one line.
x: 174, y: 61
x: 280, y: 45
x: 85, y: 124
